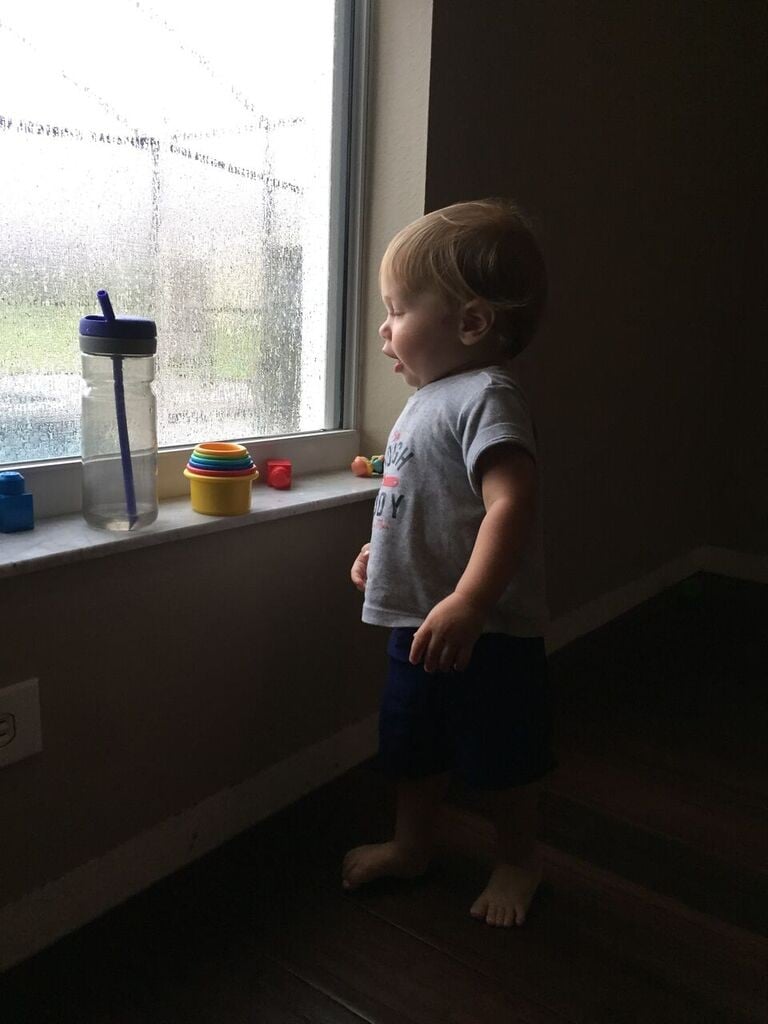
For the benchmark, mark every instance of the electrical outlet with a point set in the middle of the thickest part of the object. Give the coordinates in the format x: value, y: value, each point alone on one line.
x: 20, y: 733
x: 7, y: 729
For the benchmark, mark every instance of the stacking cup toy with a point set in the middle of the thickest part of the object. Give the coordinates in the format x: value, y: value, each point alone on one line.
x: 220, y: 475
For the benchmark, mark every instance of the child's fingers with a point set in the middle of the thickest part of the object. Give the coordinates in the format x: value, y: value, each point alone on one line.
x: 433, y: 657
x: 419, y: 645
x: 437, y: 652
x: 463, y: 658
x: 359, y: 574
x: 447, y: 658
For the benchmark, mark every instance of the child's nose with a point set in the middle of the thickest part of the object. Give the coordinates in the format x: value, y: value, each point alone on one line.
x: 384, y: 331
x: 386, y: 348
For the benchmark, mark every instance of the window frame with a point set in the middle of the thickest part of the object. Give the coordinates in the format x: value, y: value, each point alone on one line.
x: 56, y: 483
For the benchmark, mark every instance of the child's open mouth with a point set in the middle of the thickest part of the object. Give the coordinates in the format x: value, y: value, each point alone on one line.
x: 398, y: 367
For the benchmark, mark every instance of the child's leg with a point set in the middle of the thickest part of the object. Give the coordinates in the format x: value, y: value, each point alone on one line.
x: 516, y: 876
x: 410, y: 851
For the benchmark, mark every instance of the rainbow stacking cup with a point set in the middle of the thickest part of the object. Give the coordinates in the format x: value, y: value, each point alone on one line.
x: 220, y: 475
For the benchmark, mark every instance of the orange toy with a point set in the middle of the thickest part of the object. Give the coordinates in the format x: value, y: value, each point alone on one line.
x: 368, y: 467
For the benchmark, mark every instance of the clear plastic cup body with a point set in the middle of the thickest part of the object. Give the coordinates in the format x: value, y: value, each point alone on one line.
x: 117, y: 495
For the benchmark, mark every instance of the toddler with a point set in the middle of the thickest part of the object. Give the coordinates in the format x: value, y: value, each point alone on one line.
x: 455, y: 562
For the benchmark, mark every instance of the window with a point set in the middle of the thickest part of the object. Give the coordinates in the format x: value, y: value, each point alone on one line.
x: 193, y: 159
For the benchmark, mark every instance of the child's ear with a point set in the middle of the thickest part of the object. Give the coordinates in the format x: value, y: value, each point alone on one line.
x: 476, y: 320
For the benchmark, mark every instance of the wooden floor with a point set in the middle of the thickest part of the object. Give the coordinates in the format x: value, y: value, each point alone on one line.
x: 654, y: 907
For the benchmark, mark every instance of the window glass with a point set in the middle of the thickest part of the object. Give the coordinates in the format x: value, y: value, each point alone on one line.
x: 178, y: 155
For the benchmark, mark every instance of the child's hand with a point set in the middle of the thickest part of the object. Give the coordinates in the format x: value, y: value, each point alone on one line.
x: 446, y: 637
x: 359, y: 571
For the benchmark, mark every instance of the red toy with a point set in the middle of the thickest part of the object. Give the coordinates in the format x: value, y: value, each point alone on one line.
x: 279, y: 472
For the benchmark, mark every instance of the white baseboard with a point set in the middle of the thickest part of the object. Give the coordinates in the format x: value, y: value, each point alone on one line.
x: 738, y: 564
x: 615, y: 603
x: 40, y: 917
x: 67, y: 903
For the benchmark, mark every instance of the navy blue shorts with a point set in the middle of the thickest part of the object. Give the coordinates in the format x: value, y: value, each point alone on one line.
x: 490, y: 725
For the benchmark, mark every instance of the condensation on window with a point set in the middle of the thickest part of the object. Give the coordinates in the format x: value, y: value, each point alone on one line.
x: 178, y: 155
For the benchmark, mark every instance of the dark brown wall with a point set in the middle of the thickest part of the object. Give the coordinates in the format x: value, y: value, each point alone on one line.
x: 634, y: 134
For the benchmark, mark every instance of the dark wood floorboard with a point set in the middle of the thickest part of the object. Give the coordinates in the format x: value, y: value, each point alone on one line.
x: 653, y: 908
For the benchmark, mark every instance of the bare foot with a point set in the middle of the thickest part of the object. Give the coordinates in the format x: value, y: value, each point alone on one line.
x: 381, y: 860
x: 506, y: 898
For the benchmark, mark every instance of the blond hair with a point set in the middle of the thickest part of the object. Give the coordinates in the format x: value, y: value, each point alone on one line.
x: 483, y: 249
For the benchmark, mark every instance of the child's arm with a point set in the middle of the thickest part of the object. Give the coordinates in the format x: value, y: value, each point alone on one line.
x: 446, y: 637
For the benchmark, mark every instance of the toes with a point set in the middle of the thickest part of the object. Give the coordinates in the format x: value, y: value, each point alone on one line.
x: 479, y: 908
x: 496, y: 914
x: 352, y: 876
x: 502, y: 916
x: 350, y: 881
x: 348, y: 871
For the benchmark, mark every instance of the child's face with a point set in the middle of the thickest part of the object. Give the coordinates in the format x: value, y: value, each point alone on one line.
x: 422, y: 334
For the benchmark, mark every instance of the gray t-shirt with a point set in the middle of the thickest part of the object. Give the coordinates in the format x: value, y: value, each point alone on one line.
x: 429, y: 508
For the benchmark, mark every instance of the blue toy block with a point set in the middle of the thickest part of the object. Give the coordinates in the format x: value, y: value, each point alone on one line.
x: 16, y: 507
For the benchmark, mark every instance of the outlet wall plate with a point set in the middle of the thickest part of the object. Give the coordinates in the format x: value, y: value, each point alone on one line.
x: 20, y: 731
x: 7, y: 728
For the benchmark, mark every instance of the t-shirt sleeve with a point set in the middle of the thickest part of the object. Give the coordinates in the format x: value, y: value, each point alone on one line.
x: 496, y: 415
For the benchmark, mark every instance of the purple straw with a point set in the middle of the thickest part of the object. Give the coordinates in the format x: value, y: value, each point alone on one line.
x: 122, y: 422
x: 106, y: 306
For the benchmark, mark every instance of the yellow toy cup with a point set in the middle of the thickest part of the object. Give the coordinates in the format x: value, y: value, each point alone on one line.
x: 221, y: 495
x: 221, y: 450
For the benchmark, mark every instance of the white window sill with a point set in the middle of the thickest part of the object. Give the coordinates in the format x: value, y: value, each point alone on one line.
x: 64, y: 539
